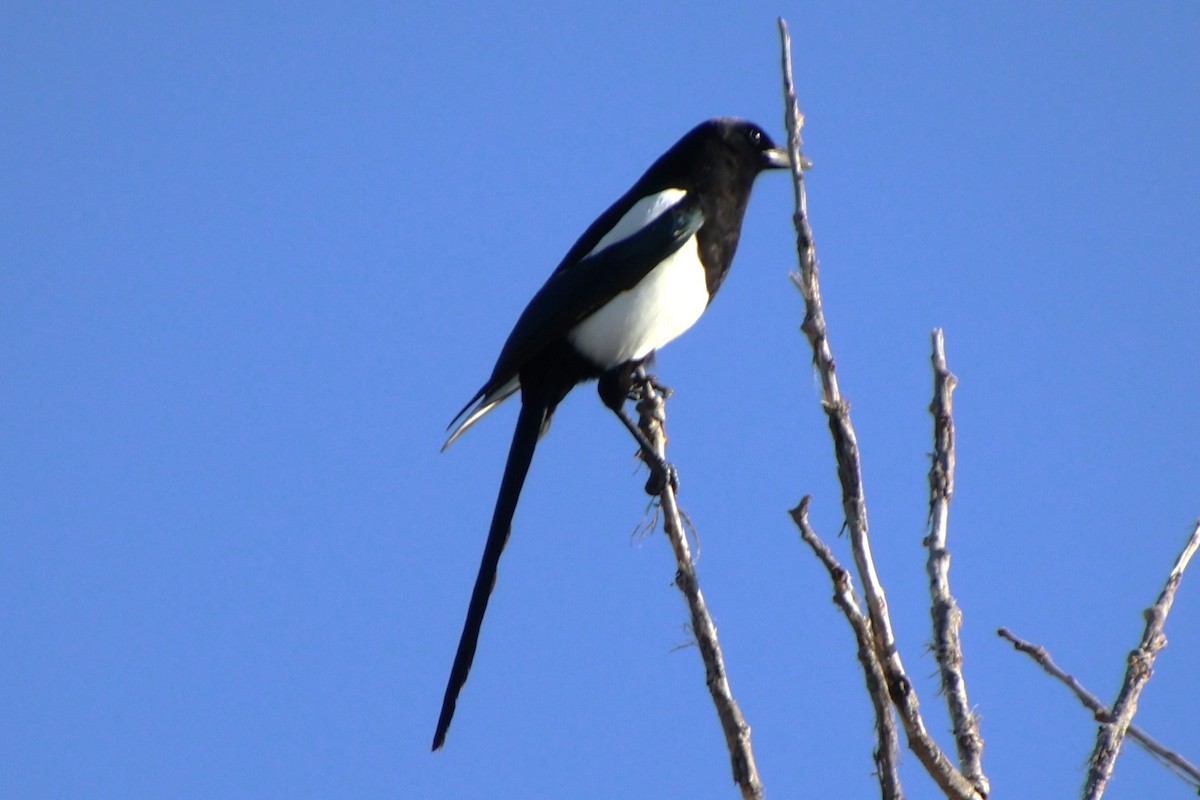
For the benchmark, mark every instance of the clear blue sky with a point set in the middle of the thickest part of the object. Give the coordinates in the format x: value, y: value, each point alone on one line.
x: 254, y: 257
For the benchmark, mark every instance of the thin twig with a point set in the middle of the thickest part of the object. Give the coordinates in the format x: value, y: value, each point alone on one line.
x: 886, y: 753
x: 845, y: 444
x: 1141, y: 664
x: 1168, y: 758
x: 652, y: 421
x: 947, y: 616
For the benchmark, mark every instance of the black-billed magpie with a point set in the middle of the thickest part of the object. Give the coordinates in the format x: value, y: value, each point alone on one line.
x: 638, y: 277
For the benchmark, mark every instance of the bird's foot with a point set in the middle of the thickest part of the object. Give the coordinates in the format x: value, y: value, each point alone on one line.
x: 662, y: 475
x: 638, y: 382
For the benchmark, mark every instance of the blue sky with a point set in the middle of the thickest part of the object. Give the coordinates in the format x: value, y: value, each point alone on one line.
x: 254, y: 257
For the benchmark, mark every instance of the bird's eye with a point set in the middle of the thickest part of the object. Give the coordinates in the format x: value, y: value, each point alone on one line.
x: 756, y: 137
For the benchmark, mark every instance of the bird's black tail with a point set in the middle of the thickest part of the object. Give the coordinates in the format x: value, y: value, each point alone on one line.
x: 530, y: 423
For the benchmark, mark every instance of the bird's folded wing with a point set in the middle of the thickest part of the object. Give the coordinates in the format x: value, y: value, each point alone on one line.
x: 574, y: 292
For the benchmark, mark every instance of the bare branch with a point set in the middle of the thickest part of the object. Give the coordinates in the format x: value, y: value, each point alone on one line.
x: 1168, y: 758
x: 652, y: 421
x: 1141, y: 664
x: 886, y: 755
x: 849, y: 468
x: 947, y: 617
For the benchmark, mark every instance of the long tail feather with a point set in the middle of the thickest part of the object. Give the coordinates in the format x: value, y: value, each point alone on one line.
x: 530, y: 423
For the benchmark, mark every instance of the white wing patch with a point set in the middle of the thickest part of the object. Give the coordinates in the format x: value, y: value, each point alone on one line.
x: 641, y: 214
x: 659, y: 308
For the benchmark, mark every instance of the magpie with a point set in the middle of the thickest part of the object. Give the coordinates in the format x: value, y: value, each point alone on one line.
x: 637, y: 278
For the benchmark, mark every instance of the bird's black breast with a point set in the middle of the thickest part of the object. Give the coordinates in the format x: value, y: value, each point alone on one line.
x: 724, y: 195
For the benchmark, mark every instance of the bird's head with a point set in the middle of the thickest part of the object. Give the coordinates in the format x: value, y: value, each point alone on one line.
x: 749, y: 143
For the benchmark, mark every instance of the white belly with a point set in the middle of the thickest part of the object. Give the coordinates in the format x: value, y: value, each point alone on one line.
x: 636, y: 322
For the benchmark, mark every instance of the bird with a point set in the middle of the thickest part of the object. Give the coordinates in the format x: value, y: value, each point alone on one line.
x: 637, y: 278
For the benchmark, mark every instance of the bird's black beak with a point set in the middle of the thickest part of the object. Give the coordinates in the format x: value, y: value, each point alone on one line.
x: 777, y: 158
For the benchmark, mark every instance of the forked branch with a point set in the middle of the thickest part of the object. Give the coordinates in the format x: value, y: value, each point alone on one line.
x: 845, y: 442
x: 1141, y: 664
x: 1186, y: 770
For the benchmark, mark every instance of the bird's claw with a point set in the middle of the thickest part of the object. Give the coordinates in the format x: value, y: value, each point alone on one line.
x: 637, y: 388
x: 662, y: 474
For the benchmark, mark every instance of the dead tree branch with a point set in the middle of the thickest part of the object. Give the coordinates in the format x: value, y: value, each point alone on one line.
x: 1168, y: 758
x: 947, y: 616
x: 886, y: 753
x: 652, y: 420
x: 900, y: 688
x: 1141, y: 664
